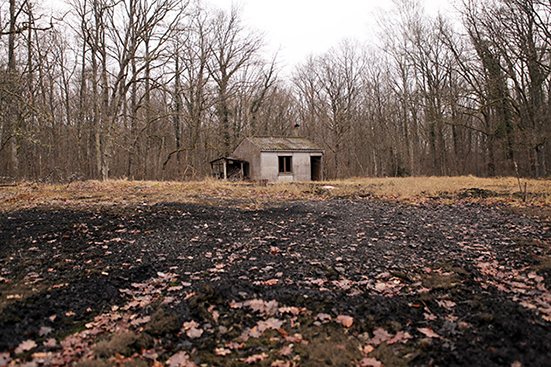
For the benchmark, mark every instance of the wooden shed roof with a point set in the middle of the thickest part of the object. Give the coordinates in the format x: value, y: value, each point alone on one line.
x: 268, y: 144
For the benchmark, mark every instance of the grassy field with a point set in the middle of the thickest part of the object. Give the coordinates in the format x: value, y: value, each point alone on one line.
x: 88, y: 194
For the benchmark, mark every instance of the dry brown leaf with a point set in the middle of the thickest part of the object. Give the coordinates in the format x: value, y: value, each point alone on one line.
x: 45, y: 330
x: 271, y: 282
x: 140, y: 320
x: 370, y: 362
x: 280, y: 363
x: 292, y: 310
x: 345, y: 320
x: 191, y: 325
x: 429, y: 316
x: 271, y: 323
x: 25, y: 346
x: 380, y: 335
x: 400, y: 337
x: 428, y: 332
x: 296, y: 338
x: 446, y: 303
x: 180, y: 359
x: 194, y: 333
x: 367, y: 349
x: 323, y: 317
x: 222, y: 352
x: 286, y: 350
x: 234, y: 345
x: 215, y: 316
x: 255, y: 358
x: 234, y: 304
x: 257, y: 305
x: 51, y: 343
x: 255, y: 332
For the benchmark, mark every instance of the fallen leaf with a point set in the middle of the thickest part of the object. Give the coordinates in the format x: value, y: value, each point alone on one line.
x: 380, y: 335
x: 140, y: 320
x: 400, y: 337
x: 271, y: 323
x: 255, y: 358
x: 271, y: 282
x: 215, y: 316
x: 190, y: 325
x: 257, y: 305
x: 51, y: 343
x: 45, y: 330
x: 286, y: 350
x: 280, y: 363
x: 292, y: 310
x: 194, y: 333
x: 346, y: 321
x: 189, y: 295
x: 25, y: 346
x: 367, y: 349
x: 254, y: 332
x: 429, y: 316
x: 222, y: 352
x: 296, y: 338
x: 370, y: 362
x: 446, y: 303
x: 428, y: 332
x: 234, y: 304
x: 323, y: 317
x: 180, y: 359
x: 234, y: 345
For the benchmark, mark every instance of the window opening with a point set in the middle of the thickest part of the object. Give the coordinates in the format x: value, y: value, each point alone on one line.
x: 285, y: 164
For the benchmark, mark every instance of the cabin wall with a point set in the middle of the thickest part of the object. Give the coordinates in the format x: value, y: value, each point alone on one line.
x: 301, y: 170
x: 247, y: 151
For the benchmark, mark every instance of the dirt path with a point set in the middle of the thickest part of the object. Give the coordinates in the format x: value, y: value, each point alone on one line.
x: 336, y: 282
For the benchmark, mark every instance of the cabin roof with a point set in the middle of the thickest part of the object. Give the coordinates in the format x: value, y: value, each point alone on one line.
x: 268, y: 144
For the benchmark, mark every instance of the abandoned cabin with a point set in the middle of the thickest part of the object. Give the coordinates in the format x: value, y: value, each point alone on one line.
x: 272, y: 159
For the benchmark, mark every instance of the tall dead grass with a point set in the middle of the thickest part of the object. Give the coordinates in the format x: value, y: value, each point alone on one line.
x: 124, y: 192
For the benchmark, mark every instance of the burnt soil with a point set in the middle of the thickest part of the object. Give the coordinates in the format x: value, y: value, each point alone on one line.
x: 386, y: 264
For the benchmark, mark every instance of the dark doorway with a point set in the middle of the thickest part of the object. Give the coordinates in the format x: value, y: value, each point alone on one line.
x: 315, y: 168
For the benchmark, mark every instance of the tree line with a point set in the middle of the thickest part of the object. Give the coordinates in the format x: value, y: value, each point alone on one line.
x: 155, y: 89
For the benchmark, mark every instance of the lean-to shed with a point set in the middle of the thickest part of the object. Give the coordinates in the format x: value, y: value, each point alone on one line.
x: 281, y: 159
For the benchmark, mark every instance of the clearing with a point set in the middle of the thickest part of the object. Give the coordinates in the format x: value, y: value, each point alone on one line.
x: 220, y: 274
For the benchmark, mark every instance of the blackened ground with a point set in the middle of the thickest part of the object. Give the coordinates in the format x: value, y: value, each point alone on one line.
x: 72, y: 264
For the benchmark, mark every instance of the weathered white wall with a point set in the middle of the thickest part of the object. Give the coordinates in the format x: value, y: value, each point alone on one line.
x: 269, y: 166
x: 250, y: 153
x: 269, y: 163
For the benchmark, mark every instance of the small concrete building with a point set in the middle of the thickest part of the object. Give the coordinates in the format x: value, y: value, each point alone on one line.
x: 276, y: 159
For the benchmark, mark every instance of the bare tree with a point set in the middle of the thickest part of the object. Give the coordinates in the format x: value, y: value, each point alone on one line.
x: 233, y: 48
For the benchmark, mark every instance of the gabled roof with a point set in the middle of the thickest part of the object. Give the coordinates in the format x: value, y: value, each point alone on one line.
x: 270, y: 143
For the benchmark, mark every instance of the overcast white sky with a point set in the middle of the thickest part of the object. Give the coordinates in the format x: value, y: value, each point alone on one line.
x: 298, y: 28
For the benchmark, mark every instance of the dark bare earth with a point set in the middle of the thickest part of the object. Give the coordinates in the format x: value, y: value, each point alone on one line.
x: 460, y: 284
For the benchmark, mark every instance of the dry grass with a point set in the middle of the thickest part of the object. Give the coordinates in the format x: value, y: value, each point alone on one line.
x: 123, y: 192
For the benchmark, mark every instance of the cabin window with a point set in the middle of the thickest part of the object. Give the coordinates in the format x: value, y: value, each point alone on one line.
x: 285, y: 164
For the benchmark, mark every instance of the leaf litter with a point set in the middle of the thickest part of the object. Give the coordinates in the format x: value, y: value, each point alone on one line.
x: 410, y: 284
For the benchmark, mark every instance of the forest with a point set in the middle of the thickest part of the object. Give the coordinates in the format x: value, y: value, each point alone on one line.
x: 156, y: 89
